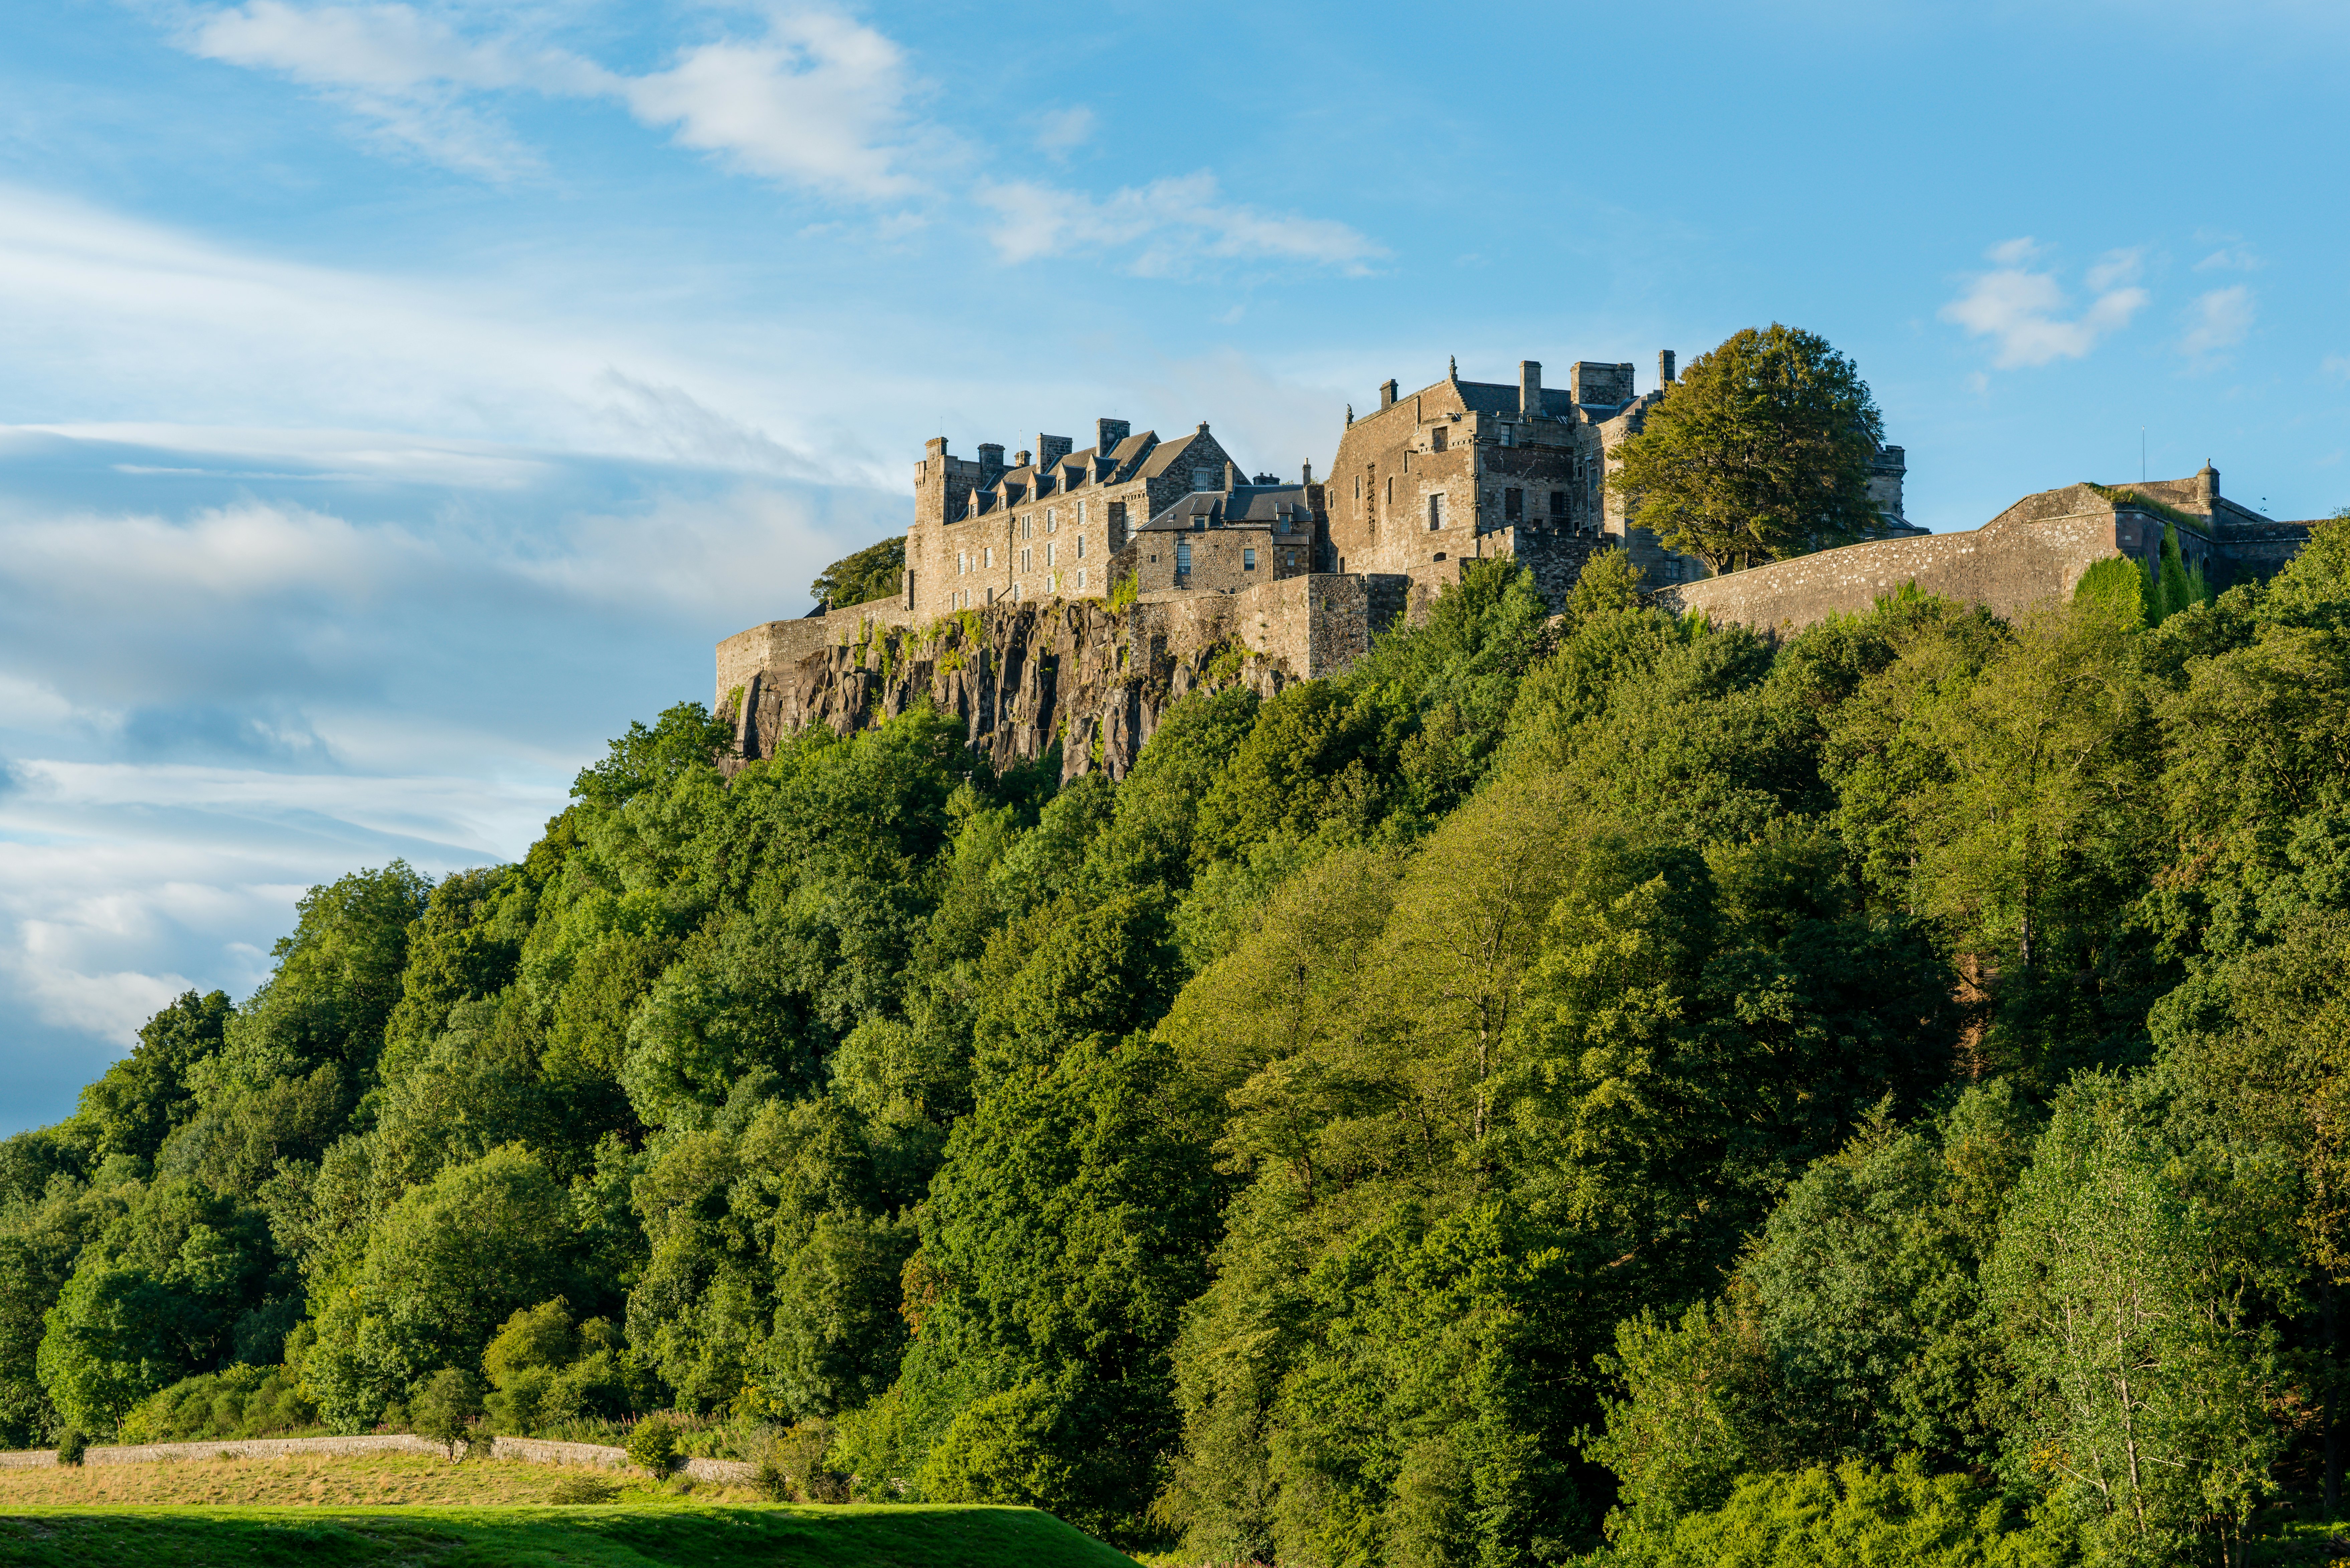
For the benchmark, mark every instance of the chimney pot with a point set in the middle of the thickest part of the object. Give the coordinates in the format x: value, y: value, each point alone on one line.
x: 1387, y: 394
x: 1020, y: 460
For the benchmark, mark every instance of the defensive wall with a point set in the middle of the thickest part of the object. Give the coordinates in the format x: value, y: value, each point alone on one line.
x: 535, y: 1450
x: 2033, y: 553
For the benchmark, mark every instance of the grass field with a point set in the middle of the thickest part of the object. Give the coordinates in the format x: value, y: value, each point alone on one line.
x: 406, y: 1509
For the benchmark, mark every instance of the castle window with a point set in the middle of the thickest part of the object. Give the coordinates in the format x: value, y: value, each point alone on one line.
x: 1558, y: 502
x: 1052, y: 521
x: 1025, y: 561
x: 1081, y: 546
x: 1081, y: 580
x: 1248, y: 560
x: 1436, y: 510
x: 1028, y: 527
x: 1182, y: 558
x: 1436, y: 439
x: 1514, y: 506
x: 1505, y: 435
x: 1048, y: 551
x: 1081, y: 514
x: 962, y: 563
x: 987, y: 556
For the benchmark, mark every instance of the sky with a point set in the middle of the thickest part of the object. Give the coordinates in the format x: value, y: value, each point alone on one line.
x: 397, y: 401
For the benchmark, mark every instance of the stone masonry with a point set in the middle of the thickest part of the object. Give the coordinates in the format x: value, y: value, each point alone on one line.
x: 2032, y: 553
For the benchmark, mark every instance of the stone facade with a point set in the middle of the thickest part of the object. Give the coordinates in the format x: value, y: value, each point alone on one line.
x: 1464, y: 469
x: 2032, y: 553
x: 1047, y: 525
x: 1224, y: 541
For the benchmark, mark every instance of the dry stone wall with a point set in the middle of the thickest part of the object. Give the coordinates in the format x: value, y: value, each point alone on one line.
x: 533, y: 1451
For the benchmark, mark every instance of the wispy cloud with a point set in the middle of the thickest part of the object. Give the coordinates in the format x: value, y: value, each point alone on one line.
x: 817, y: 101
x: 1166, y: 228
x: 1061, y: 132
x: 2216, y: 321
x: 2027, y: 314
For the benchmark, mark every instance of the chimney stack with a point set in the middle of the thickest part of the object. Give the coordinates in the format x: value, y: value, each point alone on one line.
x: 1051, y: 449
x: 991, y: 461
x: 1309, y: 475
x: 1108, y: 433
x: 1664, y: 368
x: 1387, y: 394
x: 1530, y: 388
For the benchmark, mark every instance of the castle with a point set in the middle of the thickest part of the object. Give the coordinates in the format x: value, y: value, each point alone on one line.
x: 1171, y: 551
x: 1456, y: 471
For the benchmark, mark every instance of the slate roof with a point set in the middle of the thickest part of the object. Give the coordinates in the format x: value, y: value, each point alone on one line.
x: 1242, y: 506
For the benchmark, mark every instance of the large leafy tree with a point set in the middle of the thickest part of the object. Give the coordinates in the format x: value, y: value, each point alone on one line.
x: 1762, y: 450
x: 873, y: 573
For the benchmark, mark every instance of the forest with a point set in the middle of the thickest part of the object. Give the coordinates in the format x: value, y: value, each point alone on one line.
x: 1584, y: 1088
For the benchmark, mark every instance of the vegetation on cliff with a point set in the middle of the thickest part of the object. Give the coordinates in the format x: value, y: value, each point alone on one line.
x: 1592, y: 1084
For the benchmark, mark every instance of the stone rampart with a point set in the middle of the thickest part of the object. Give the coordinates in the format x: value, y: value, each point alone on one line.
x: 532, y: 1450
x: 2008, y: 567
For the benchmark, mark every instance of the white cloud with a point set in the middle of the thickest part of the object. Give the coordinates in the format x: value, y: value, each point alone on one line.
x: 2217, y: 321
x: 2230, y: 258
x: 2336, y: 365
x: 1168, y: 226
x: 819, y: 102
x: 1062, y: 130
x: 2025, y: 313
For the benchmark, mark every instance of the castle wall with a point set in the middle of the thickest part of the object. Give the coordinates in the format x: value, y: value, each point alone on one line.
x: 2007, y: 569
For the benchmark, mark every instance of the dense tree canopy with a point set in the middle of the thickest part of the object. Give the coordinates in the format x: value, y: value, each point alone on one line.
x: 1594, y: 1084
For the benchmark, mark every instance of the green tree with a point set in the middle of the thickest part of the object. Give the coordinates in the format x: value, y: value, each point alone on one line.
x: 873, y: 573
x: 445, y: 1409
x: 442, y: 1268
x: 154, y: 1298
x: 2128, y: 1283
x: 1762, y: 450
x: 141, y: 1099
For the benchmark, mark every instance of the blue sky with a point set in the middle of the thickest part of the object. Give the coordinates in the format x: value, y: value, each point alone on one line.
x: 400, y: 399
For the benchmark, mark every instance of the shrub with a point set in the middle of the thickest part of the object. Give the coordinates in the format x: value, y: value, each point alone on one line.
x: 236, y: 1402
x: 654, y: 1444
x: 72, y: 1443
x: 583, y: 1490
x: 794, y: 1467
x: 445, y: 1409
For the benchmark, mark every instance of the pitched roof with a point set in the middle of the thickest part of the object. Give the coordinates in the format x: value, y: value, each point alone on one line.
x: 1242, y: 506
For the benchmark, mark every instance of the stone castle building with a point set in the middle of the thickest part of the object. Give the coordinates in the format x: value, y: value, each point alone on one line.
x: 1463, y: 469
x: 1136, y: 569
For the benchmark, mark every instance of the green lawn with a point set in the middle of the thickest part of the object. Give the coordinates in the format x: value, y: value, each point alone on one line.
x: 907, y: 1536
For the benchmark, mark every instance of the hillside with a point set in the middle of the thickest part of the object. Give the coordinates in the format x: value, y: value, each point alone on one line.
x: 1563, y: 1084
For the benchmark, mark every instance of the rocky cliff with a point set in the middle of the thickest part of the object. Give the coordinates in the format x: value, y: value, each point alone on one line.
x: 1018, y: 676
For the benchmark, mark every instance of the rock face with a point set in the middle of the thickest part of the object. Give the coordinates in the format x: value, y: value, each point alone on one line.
x: 1019, y: 677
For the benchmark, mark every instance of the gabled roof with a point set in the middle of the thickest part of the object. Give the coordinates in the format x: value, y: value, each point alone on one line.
x: 1242, y: 506
x: 1165, y: 455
